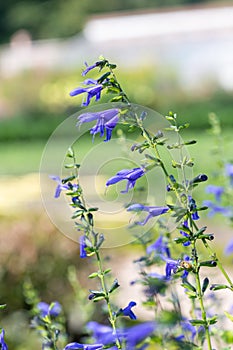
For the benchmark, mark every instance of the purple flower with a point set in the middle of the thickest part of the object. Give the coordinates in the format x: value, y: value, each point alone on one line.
x: 54, y: 309
x: 185, y: 234
x: 187, y: 327
x: 60, y: 187
x: 152, y: 211
x: 216, y: 190
x: 229, y: 248
x: 92, y: 91
x: 171, y: 267
x: 138, y: 333
x: 83, y: 253
x: 101, y: 333
x: 88, y: 68
x: 104, y: 334
x: 106, y: 120
x: 128, y: 312
x: 158, y: 247
x: 131, y: 175
x: 217, y: 209
x: 77, y: 346
x: 229, y: 172
x: 3, y: 345
x: 131, y: 336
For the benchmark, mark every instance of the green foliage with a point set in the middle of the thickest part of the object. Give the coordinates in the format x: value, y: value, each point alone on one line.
x: 48, y: 101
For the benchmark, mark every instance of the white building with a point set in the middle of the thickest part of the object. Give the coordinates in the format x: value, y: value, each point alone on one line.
x: 197, y: 42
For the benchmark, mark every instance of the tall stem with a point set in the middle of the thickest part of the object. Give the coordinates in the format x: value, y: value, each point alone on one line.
x: 219, y: 264
x: 200, y: 297
x: 112, y: 318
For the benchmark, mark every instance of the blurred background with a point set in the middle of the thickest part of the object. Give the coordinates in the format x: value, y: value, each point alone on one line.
x: 172, y: 55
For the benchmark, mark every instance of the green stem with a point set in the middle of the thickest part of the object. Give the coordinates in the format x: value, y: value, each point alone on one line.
x: 101, y: 274
x: 203, y: 312
x: 112, y: 318
x: 123, y: 94
x: 198, y: 285
x: 219, y: 264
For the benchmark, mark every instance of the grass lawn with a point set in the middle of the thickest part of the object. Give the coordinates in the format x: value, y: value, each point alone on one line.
x: 22, y: 157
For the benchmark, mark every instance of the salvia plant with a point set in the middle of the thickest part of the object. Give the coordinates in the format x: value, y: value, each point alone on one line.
x: 177, y: 264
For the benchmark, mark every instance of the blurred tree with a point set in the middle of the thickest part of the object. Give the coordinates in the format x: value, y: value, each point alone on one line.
x: 43, y: 19
x: 59, y: 18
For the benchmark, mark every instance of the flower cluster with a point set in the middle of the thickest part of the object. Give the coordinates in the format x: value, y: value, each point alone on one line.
x: 168, y: 259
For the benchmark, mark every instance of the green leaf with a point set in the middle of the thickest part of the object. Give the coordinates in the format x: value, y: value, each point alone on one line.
x: 70, y: 153
x: 148, y: 156
x: 111, y: 65
x: 107, y: 271
x: 188, y: 285
x: 229, y: 316
x: 227, y: 336
x: 93, y: 275
x: 97, y: 293
x: 103, y: 77
x: 93, y: 209
x: 179, y: 240
x: 197, y: 322
x: 185, y: 229
x: 191, y: 295
x: 184, y: 126
x: 97, y: 299
x: 2, y: 306
x: 66, y: 179
x: 191, y: 142
x: 213, y: 320
x: 116, y: 98
x: 175, y: 164
x: 169, y: 118
x: 113, y: 90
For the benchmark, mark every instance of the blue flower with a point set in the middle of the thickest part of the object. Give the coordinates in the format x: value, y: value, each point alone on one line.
x: 229, y: 172
x: 92, y: 91
x: 77, y: 346
x: 128, y: 312
x: 217, y: 209
x: 2, y: 341
x: 229, y: 248
x: 83, y: 253
x: 216, y: 190
x: 185, y: 234
x: 106, y: 120
x: 131, y: 175
x: 158, y: 247
x: 54, y: 309
x: 152, y: 211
